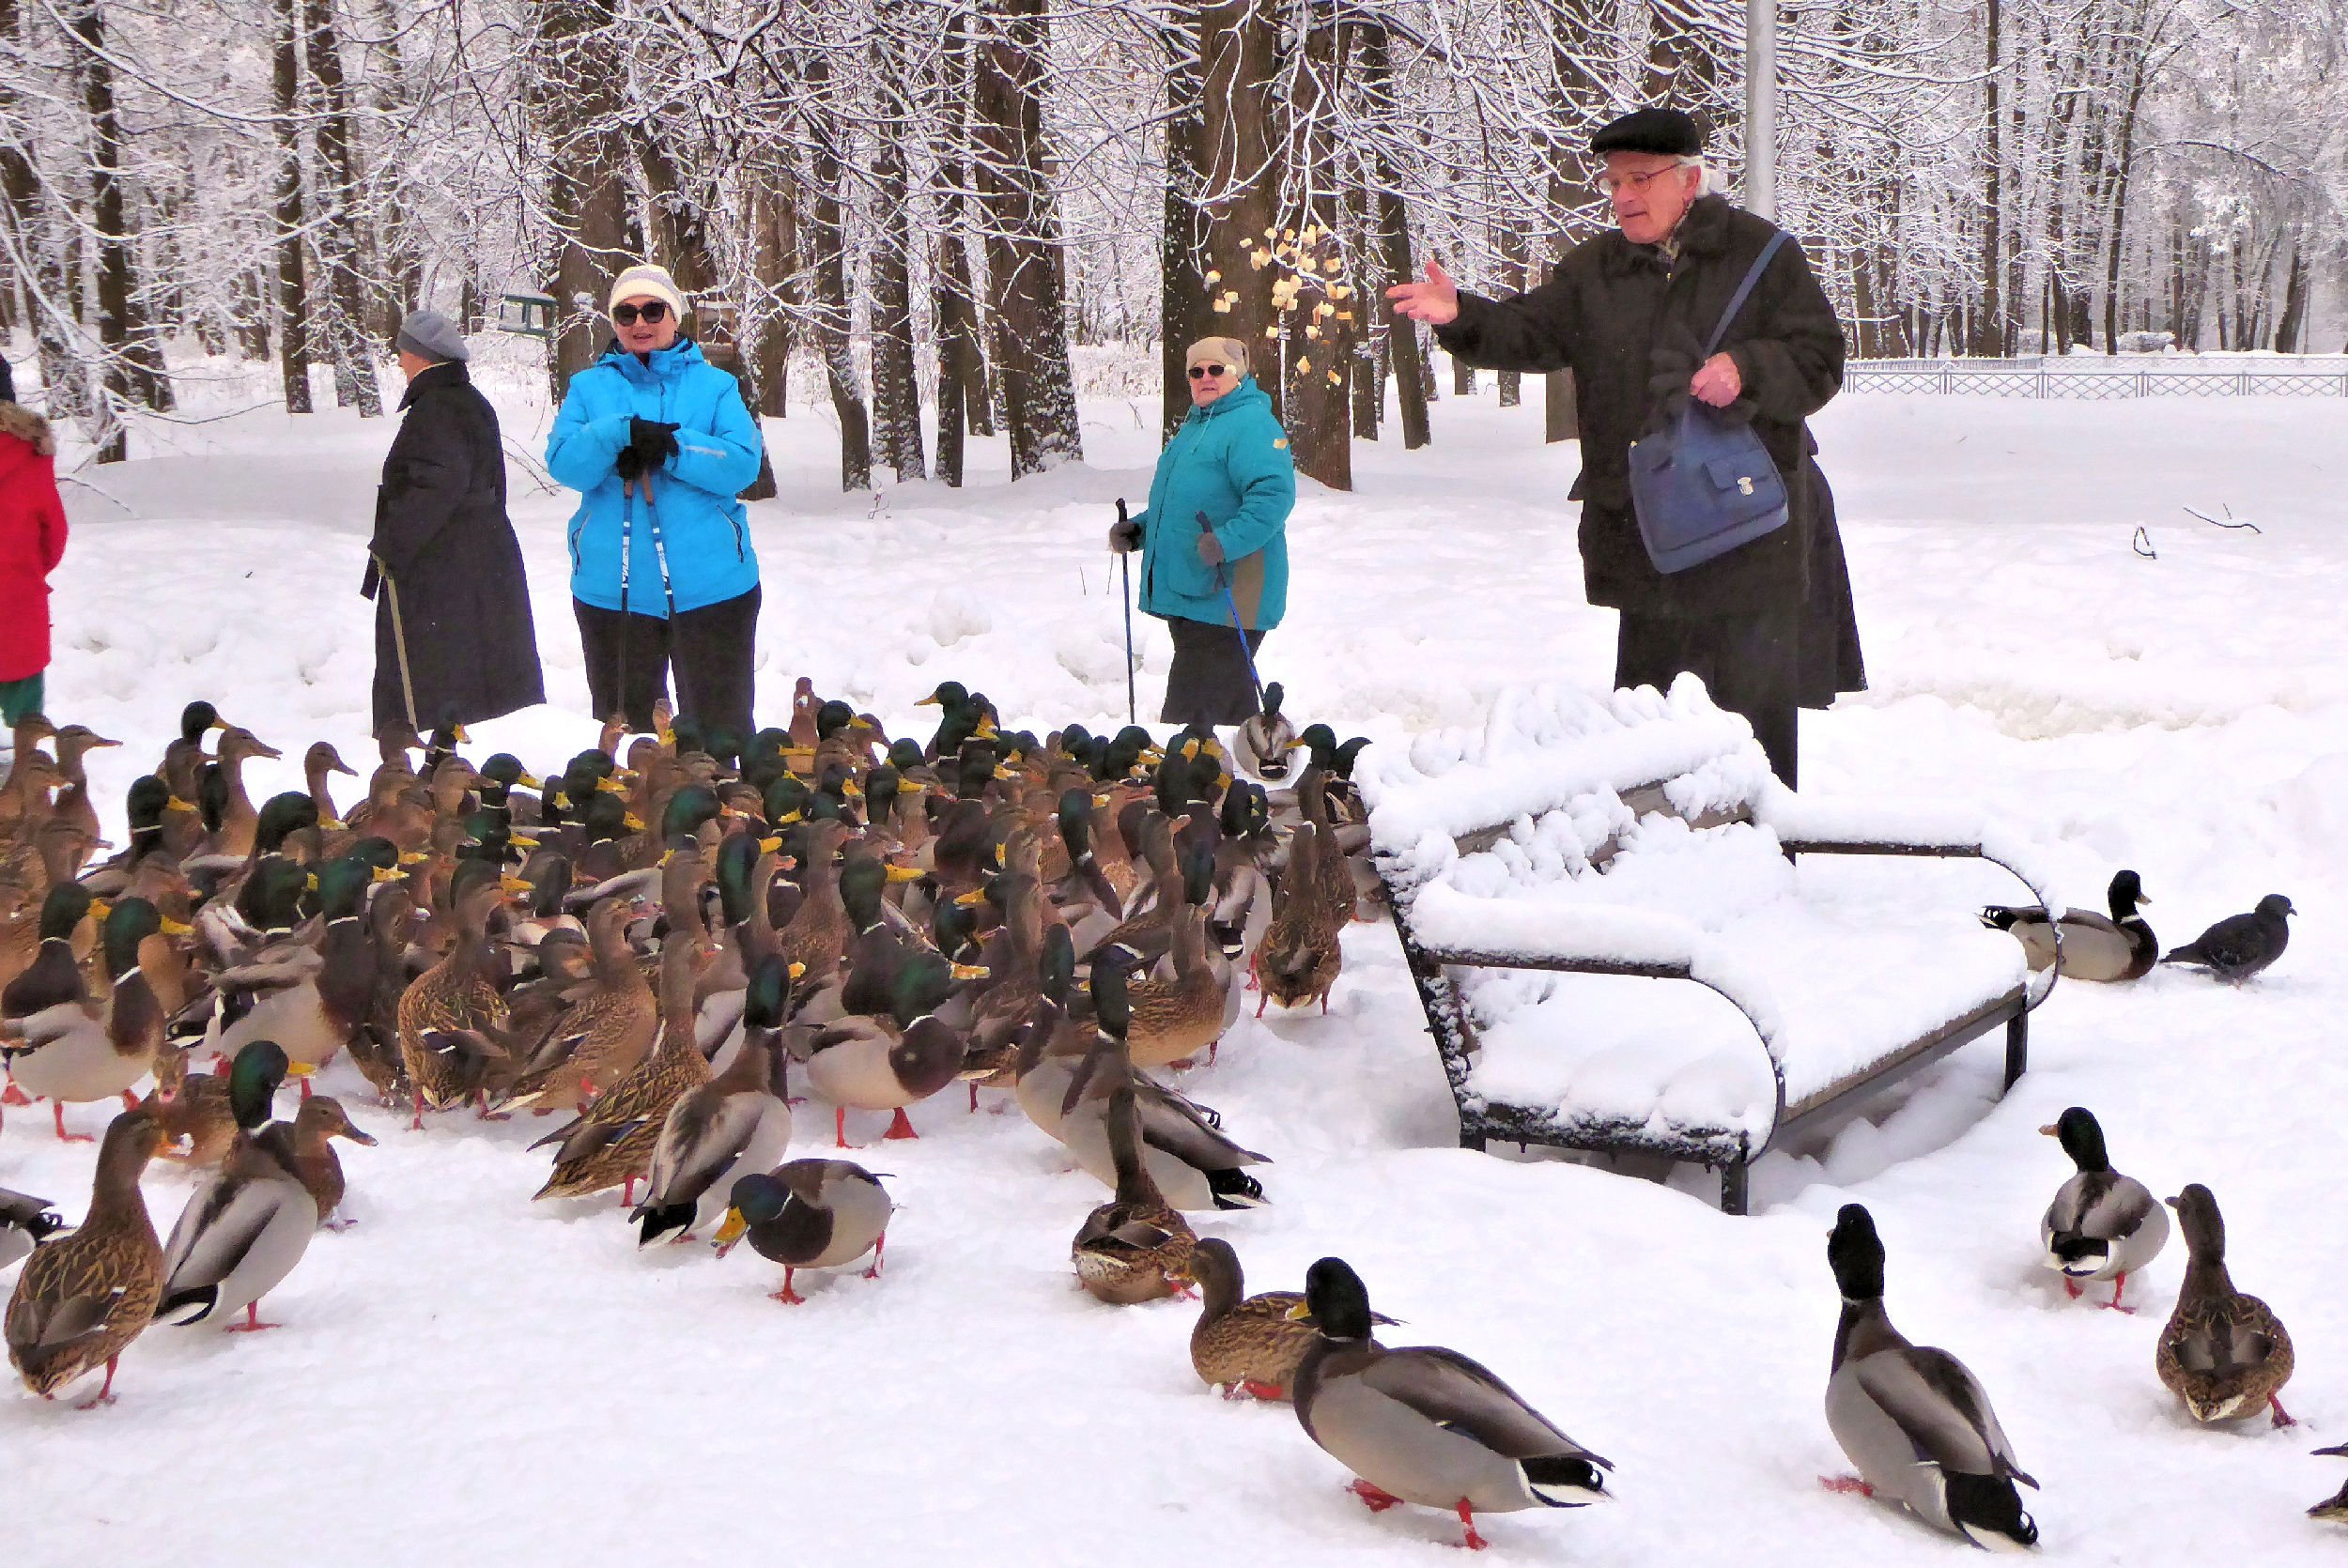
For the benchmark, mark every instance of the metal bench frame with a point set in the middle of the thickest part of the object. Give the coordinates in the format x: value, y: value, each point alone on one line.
x: 1729, y: 1151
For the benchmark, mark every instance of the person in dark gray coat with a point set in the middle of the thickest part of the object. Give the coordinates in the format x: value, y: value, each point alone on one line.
x: 1768, y: 626
x: 453, y: 638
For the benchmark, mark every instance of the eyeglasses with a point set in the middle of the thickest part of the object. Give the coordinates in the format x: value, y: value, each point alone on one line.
x: 1199, y: 373
x: 652, y: 312
x: 1637, y: 184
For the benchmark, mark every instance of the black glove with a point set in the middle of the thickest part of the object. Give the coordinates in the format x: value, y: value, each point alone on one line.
x: 628, y: 465
x: 652, y: 442
x: 1125, y: 536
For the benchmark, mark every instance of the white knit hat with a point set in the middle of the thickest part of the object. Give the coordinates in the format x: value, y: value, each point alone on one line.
x: 642, y: 279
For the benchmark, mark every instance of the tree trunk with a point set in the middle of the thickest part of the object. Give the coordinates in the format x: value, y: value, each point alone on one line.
x: 1239, y: 53
x: 113, y: 243
x: 48, y: 297
x: 896, y: 381
x: 2291, y: 323
x: 774, y: 248
x: 293, y: 294
x: 1016, y: 184
x: 827, y: 255
x: 1989, y: 323
x: 1515, y: 279
x: 575, y: 103
x: 954, y: 313
x: 1185, y: 307
x: 1320, y: 311
x: 344, y: 311
x: 1411, y: 382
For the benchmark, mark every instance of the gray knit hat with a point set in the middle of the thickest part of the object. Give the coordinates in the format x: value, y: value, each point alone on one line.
x: 433, y: 336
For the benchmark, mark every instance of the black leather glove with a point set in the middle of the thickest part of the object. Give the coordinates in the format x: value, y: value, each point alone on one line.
x: 1125, y: 536
x: 652, y: 442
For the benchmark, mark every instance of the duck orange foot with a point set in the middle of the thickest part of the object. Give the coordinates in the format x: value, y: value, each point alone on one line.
x: 1377, y: 1497
x: 1473, y: 1541
x: 900, y: 1127
x: 878, y: 1247
x: 1268, y: 1392
x: 2070, y: 1289
x: 840, y: 1128
x: 14, y: 1096
x: 251, y: 1323
x: 787, y: 1296
x: 2283, y: 1417
x: 63, y: 1136
x: 1846, y: 1484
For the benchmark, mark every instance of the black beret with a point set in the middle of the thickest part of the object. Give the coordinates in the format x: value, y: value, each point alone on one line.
x: 1661, y: 130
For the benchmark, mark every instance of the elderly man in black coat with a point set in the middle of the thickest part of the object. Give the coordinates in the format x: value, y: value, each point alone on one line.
x: 1768, y: 626
x: 454, y: 639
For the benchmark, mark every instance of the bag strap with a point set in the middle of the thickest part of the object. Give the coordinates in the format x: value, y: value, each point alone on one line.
x: 1744, y: 290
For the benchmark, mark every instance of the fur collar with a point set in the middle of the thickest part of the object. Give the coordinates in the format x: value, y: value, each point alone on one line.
x: 27, y: 426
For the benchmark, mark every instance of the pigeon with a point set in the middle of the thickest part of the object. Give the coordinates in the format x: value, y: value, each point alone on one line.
x: 2240, y: 946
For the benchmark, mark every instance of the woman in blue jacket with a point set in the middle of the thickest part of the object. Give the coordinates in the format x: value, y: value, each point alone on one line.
x: 1214, y: 539
x: 659, y: 444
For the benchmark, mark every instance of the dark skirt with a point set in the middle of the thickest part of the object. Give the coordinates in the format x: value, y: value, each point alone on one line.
x: 1209, y: 683
x: 1750, y: 664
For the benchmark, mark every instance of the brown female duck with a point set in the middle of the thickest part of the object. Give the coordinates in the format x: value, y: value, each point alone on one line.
x: 83, y: 1298
x: 612, y: 1142
x: 2223, y: 1353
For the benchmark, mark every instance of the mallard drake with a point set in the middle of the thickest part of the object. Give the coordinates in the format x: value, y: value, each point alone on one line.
x: 735, y: 1125
x: 2240, y: 946
x: 1424, y: 1424
x: 1912, y: 1418
x: 311, y: 991
x: 316, y: 1126
x: 83, y: 1297
x: 1135, y: 1246
x: 25, y: 1222
x: 886, y: 1061
x: 2102, y: 1225
x: 444, y: 1011
x: 73, y: 1051
x: 2120, y: 946
x: 375, y: 1045
x: 1266, y: 738
x: 1187, y: 1155
x: 2223, y: 1353
x: 606, y: 1030
x: 246, y: 1228
x: 611, y: 1144
x: 1247, y: 1345
x: 810, y: 1214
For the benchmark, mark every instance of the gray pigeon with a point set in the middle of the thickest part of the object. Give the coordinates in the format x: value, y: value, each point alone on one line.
x: 2240, y: 946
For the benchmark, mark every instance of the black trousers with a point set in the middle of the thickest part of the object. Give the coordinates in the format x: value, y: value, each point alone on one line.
x: 1751, y: 663
x: 714, y: 649
x: 1208, y: 683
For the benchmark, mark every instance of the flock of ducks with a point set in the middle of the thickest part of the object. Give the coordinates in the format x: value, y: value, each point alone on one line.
x: 647, y: 944
x: 650, y: 942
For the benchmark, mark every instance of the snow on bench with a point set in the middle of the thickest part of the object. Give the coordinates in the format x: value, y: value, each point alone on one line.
x: 1547, y: 868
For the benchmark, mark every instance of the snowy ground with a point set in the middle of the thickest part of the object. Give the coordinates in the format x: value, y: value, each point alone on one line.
x: 466, y: 1378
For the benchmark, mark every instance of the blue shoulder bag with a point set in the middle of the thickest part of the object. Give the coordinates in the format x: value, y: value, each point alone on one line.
x: 1701, y: 485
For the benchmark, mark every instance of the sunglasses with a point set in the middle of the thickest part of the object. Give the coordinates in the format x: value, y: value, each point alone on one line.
x: 1199, y: 373
x: 627, y: 314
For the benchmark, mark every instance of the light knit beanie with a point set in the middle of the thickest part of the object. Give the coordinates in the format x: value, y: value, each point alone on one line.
x: 646, y: 279
x: 1228, y: 351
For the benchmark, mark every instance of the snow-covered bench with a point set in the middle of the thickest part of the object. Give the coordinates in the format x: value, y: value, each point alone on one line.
x: 1642, y: 837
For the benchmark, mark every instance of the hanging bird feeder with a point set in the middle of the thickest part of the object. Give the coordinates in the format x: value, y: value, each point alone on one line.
x: 525, y: 315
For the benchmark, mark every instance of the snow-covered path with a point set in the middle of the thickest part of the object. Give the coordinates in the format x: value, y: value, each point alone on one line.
x: 466, y: 1378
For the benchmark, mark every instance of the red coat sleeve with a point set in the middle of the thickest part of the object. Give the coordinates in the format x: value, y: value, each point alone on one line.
x: 52, y: 529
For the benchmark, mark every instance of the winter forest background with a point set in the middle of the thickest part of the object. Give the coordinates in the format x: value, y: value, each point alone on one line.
x: 943, y: 216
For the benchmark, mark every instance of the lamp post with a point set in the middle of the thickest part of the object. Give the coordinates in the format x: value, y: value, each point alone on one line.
x: 1761, y: 108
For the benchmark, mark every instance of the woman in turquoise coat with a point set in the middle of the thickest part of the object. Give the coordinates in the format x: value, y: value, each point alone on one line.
x: 1214, y: 539
x: 659, y: 446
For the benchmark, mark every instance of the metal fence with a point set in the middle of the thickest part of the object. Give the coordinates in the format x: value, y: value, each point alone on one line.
x: 2095, y: 379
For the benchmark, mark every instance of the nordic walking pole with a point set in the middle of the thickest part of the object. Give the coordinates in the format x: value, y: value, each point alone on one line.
x: 399, y: 640
x: 1125, y: 566
x: 627, y: 558
x: 1230, y: 601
